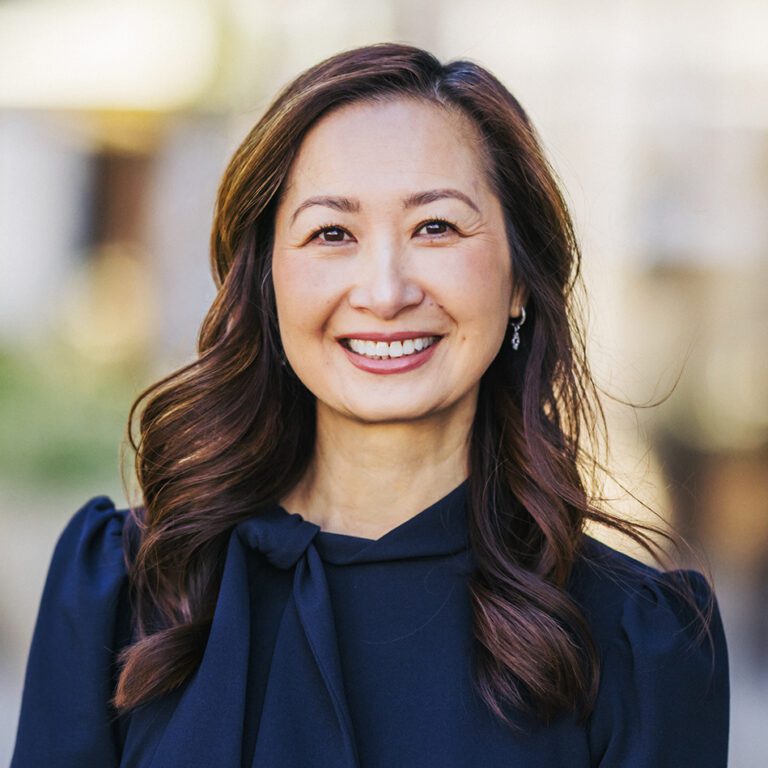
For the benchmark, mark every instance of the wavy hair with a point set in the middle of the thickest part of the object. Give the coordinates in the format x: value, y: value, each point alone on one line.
x: 235, y: 429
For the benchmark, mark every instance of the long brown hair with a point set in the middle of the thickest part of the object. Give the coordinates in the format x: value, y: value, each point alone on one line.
x: 235, y: 429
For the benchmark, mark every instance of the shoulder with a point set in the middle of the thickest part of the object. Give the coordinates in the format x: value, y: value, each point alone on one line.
x: 92, y: 551
x: 613, y: 588
x: 664, y: 684
x: 83, y: 621
x: 95, y: 532
x: 88, y: 570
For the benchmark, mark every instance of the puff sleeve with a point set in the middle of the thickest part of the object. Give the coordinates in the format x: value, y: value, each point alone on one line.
x: 66, y: 719
x: 664, y: 691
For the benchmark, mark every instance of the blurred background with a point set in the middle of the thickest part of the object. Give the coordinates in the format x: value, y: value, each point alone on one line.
x: 117, y: 118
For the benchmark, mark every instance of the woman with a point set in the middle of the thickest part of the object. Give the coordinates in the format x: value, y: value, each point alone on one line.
x: 362, y: 533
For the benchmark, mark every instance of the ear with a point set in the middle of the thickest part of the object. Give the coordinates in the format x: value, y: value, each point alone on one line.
x: 518, y: 299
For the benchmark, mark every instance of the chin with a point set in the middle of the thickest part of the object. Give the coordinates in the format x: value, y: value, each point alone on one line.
x: 390, y: 413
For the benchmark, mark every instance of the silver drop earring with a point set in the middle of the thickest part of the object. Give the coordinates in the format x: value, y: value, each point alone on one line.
x: 515, y: 340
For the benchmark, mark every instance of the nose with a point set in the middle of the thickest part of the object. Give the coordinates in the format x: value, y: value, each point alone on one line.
x: 385, y: 284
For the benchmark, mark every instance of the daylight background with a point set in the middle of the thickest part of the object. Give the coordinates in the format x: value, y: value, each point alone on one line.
x: 117, y: 118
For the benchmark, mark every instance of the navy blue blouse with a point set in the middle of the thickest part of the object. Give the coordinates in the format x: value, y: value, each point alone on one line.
x: 335, y: 651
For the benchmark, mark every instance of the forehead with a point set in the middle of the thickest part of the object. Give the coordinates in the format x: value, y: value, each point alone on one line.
x: 385, y: 146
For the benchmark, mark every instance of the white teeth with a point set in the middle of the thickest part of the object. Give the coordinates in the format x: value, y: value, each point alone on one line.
x: 380, y: 349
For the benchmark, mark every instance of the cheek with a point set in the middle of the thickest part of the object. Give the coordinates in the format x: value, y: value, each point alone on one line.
x: 478, y: 283
x: 304, y: 292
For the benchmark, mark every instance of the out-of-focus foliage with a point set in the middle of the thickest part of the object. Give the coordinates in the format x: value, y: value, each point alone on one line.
x: 61, y: 418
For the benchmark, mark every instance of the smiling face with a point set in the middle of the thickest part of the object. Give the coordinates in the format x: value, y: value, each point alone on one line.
x: 387, y: 231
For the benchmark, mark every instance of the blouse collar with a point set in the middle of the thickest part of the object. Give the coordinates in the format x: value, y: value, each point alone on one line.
x: 282, y: 536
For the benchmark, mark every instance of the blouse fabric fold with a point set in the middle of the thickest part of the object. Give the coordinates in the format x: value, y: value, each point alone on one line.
x: 333, y: 651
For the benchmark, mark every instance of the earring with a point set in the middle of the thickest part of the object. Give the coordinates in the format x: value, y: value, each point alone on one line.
x: 515, y: 340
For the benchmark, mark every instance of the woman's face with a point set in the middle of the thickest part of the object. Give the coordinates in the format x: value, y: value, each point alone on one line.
x: 391, y: 267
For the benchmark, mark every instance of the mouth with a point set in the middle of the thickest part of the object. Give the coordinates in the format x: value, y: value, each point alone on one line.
x: 409, y: 346
x: 396, y: 353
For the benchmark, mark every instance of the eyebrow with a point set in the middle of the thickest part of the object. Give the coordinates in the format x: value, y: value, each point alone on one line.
x: 422, y: 198
x: 347, y: 205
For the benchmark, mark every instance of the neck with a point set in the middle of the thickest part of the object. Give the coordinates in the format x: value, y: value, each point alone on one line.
x: 365, y: 479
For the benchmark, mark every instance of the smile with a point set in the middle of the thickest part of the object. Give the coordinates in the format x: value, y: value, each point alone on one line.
x: 381, y: 350
x: 393, y: 356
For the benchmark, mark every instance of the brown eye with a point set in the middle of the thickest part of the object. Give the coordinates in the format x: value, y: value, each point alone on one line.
x: 333, y: 234
x: 436, y: 227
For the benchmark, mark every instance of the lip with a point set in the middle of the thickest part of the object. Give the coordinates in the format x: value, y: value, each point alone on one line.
x: 393, y: 364
x: 399, y: 336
